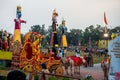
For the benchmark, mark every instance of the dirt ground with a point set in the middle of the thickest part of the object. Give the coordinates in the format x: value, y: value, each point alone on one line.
x: 95, y: 71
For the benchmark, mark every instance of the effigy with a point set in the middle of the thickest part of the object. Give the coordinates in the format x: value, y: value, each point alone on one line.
x: 54, y: 41
x: 28, y: 56
x: 17, y: 38
x: 63, y: 28
x: 18, y: 21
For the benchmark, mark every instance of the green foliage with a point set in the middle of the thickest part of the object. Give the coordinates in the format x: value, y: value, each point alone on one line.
x: 98, y: 59
x: 39, y: 29
x: 75, y: 36
x: 3, y: 68
x: 66, y: 79
x: 36, y: 77
x: 89, y: 78
x: 52, y: 78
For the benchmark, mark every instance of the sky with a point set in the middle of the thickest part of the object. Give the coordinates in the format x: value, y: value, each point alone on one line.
x: 78, y: 14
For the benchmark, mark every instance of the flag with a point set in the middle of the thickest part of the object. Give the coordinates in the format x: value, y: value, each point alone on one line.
x: 105, y: 20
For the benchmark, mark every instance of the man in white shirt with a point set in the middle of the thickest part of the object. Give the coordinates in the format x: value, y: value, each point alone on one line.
x: 60, y: 54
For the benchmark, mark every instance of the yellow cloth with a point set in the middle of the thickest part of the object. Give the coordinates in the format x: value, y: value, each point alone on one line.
x: 17, y: 35
x: 64, y: 41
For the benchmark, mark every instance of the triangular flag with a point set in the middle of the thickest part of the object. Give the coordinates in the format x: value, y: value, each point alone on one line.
x: 105, y: 20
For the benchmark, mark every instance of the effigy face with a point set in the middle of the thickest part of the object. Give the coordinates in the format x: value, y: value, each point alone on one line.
x: 63, y: 22
x: 18, y: 8
x: 54, y: 16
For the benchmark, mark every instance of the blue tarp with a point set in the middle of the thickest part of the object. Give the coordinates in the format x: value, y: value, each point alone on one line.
x: 114, y: 48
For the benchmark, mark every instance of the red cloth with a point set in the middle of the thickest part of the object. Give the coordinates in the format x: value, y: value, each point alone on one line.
x: 57, y: 58
x: 52, y: 54
x: 18, y: 22
x: 77, y: 60
x: 28, y: 50
x: 105, y: 60
x: 117, y: 75
x: 5, y: 45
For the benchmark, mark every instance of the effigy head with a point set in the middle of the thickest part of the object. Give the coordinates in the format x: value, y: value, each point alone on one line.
x: 19, y: 12
x: 55, y: 13
x: 63, y: 22
x: 18, y: 8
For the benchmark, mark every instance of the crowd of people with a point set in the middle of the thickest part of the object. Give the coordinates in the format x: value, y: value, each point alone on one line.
x: 62, y: 53
x: 6, y: 40
x: 88, y: 55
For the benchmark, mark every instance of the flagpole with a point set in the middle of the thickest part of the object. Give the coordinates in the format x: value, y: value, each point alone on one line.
x: 105, y: 22
x: 106, y: 32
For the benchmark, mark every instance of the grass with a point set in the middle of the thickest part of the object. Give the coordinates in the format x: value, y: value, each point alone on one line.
x: 98, y: 59
x: 56, y: 78
x: 5, y: 55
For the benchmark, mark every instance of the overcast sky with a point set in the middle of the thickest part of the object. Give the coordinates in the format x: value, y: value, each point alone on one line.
x: 78, y: 14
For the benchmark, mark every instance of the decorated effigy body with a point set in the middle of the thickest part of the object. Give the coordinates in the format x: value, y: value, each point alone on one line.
x: 64, y: 30
x: 17, y: 39
x: 54, y: 41
x: 18, y: 21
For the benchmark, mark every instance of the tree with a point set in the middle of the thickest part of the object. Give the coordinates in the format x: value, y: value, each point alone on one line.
x: 74, y: 36
x: 40, y: 30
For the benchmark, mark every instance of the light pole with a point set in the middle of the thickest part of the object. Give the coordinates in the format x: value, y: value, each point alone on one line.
x: 106, y: 39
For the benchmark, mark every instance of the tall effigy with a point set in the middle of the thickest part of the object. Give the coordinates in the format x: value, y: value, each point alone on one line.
x: 64, y: 30
x: 54, y: 41
x: 17, y: 39
x: 18, y: 21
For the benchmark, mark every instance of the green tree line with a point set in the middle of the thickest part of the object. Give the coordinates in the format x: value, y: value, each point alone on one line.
x: 75, y: 36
